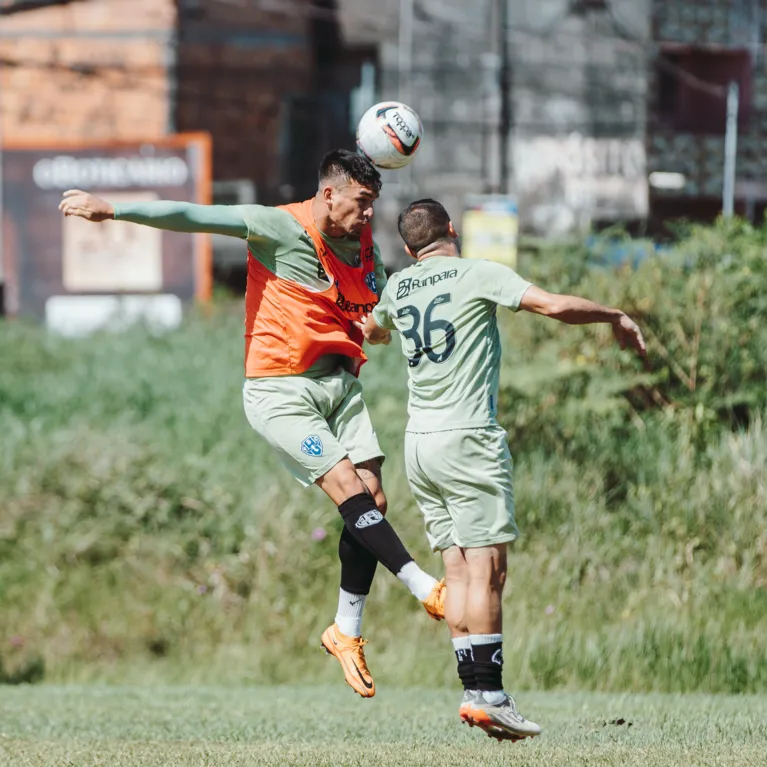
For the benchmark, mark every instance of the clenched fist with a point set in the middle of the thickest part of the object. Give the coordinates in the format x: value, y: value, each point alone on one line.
x: 87, y: 206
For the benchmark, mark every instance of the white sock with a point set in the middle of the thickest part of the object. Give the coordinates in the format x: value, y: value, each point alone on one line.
x: 419, y: 582
x: 461, y: 643
x: 485, y: 638
x: 349, y: 615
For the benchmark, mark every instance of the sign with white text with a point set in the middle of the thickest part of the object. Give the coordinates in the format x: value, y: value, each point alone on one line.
x: 51, y: 262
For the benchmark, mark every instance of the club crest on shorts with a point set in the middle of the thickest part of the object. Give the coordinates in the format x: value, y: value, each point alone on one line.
x: 369, y: 518
x: 371, y: 282
x: 312, y: 446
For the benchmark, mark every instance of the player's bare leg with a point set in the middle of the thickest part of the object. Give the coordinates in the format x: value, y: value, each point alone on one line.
x: 457, y: 582
x: 493, y: 710
x: 367, y: 539
x: 370, y: 472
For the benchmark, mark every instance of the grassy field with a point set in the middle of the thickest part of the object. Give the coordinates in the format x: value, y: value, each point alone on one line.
x: 327, y: 725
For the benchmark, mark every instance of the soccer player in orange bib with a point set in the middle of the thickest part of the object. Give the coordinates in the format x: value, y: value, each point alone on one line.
x: 313, y: 271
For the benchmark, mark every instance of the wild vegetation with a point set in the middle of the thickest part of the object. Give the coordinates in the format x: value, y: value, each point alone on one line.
x: 146, y: 533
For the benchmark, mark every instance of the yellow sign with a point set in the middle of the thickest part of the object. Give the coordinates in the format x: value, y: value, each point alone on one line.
x: 491, y: 229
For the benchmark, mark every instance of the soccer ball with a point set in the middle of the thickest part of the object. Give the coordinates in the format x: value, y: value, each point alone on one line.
x: 389, y: 134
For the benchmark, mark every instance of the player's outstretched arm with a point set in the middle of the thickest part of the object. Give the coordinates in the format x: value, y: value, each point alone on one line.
x: 160, y: 214
x: 580, y: 311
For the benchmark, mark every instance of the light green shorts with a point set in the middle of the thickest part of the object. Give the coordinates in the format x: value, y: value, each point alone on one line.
x: 312, y: 423
x: 461, y: 481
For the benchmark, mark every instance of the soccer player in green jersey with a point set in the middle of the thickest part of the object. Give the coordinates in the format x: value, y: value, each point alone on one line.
x: 456, y: 454
x: 312, y: 269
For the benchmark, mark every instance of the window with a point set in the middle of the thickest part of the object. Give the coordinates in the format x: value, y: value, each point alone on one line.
x: 692, y: 86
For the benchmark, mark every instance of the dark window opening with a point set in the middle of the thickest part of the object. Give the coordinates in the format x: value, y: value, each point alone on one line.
x: 692, y: 89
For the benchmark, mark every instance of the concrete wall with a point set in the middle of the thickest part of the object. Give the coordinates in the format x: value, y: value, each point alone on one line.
x: 578, y: 107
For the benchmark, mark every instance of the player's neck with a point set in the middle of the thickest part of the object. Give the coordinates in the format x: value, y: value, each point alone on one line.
x: 322, y: 220
x: 443, y: 248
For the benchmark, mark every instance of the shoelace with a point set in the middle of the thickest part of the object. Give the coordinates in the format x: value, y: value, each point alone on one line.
x: 511, y: 704
x: 357, y: 648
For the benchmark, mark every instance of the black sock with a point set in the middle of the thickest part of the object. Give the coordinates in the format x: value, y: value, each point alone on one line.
x: 358, y: 565
x: 488, y: 665
x: 370, y: 528
x: 466, y: 671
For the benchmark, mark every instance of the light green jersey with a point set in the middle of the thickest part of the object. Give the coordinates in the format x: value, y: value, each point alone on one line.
x: 274, y: 238
x: 283, y: 246
x: 445, y: 310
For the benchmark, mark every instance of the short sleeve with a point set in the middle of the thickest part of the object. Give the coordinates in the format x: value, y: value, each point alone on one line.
x: 500, y: 284
x: 383, y: 312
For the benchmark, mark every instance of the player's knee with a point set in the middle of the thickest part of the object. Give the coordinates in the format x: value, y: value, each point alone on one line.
x: 341, y: 482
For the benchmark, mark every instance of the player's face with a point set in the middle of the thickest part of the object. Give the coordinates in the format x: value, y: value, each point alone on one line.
x: 351, y: 207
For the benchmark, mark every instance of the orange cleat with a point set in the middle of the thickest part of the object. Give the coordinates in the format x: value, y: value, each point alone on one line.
x: 349, y: 653
x: 434, y: 604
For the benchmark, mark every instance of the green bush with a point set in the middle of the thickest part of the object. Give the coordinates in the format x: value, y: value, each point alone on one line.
x: 146, y: 533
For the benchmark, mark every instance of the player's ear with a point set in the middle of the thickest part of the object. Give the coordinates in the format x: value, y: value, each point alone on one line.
x: 327, y: 194
x: 410, y: 252
x: 451, y: 230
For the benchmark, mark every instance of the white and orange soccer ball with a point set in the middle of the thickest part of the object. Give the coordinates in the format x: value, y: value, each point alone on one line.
x: 389, y: 134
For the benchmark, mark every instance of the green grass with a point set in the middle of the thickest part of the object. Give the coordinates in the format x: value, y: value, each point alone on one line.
x: 329, y: 725
x: 147, y: 534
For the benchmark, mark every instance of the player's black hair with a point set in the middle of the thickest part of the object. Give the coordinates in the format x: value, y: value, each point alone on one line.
x: 344, y: 164
x: 422, y: 223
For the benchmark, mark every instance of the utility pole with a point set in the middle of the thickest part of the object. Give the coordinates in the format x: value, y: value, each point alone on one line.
x: 405, y: 50
x: 405, y: 76
x: 730, y: 151
x: 504, y: 84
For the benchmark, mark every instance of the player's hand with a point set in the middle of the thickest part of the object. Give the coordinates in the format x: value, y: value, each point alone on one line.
x: 87, y: 206
x: 381, y: 336
x: 628, y: 335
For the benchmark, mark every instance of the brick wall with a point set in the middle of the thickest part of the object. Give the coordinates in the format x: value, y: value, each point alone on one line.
x: 238, y: 69
x: 86, y: 70
x: 736, y: 24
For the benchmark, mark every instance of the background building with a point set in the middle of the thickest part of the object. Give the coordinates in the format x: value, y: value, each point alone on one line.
x: 251, y: 74
x: 569, y: 144
x: 701, y: 46
x: 268, y: 80
x: 588, y: 99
